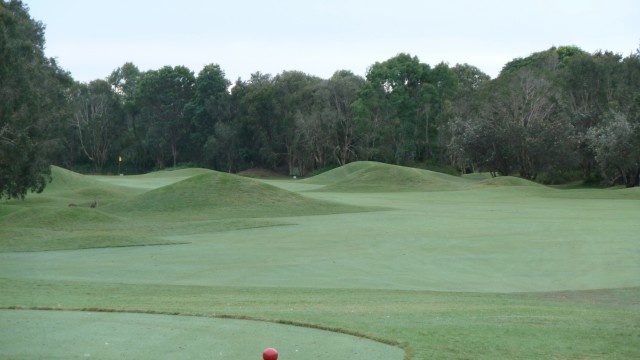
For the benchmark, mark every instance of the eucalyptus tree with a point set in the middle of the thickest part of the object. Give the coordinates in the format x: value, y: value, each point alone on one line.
x: 293, y: 96
x: 522, y: 120
x: 589, y: 86
x: 316, y: 128
x: 210, y: 105
x: 253, y: 112
x: 33, y: 103
x: 615, y: 141
x: 124, y: 80
x: 98, y: 120
x: 162, y: 97
x: 328, y: 127
x: 444, y: 84
x: 392, y: 104
x: 466, y: 107
x: 343, y: 88
x: 616, y: 144
x: 528, y: 105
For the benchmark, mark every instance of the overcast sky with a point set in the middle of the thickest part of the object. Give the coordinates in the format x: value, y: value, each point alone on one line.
x: 91, y: 38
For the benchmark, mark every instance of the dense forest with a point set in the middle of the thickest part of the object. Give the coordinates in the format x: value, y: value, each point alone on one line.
x: 557, y: 115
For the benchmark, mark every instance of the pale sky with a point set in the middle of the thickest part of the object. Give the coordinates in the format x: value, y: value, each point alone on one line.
x: 91, y: 38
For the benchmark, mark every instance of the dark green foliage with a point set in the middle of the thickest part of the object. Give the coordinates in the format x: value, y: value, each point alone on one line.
x: 32, y: 103
x: 210, y: 113
x: 99, y: 121
x: 545, y: 114
x: 162, y: 98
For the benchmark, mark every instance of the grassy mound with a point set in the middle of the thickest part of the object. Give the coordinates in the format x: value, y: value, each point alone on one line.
x: 340, y: 173
x: 477, y: 176
x: 63, y: 179
x: 69, y: 187
x: 508, y: 181
x: 152, y: 180
x: 225, y: 195
x: 367, y: 176
x: 261, y: 174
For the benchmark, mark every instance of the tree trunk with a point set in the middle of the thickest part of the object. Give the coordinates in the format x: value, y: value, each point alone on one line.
x: 174, y: 153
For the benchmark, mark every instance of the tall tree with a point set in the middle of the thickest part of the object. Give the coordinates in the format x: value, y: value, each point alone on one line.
x: 537, y: 130
x: 124, y: 80
x: 443, y: 90
x: 254, y: 108
x: 210, y: 106
x: 616, y: 143
x: 98, y: 119
x: 343, y: 87
x: 396, y: 90
x: 466, y: 106
x: 589, y: 83
x: 316, y: 129
x: 162, y: 97
x: 293, y: 94
x: 521, y: 120
x: 32, y: 102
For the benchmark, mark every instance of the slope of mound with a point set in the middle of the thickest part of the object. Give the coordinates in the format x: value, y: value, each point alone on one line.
x: 477, y: 176
x: 225, y: 195
x: 80, y: 189
x: 178, y: 173
x: 340, y: 173
x: 53, y: 218
x: 152, y: 180
x: 366, y: 176
x: 63, y: 179
x: 261, y: 174
x: 508, y: 181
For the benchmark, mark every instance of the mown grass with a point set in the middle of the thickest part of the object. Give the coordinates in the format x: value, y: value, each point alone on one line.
x: 140, y: 210
x: 221, y: 195
x: 116, y: 335
x: 367, y: 176
x: 444, y: 325
x: 523, y: 270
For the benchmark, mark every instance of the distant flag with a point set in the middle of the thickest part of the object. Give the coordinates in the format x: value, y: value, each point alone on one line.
x: 120, y: 158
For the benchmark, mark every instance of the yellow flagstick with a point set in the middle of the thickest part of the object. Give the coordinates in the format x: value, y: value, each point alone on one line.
x: 119, y: 162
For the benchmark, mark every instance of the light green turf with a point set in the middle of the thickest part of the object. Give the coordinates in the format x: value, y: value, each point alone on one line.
x: 363, y: 258
x: 368, y: 176
x: 99, y: 335
x: 152, y: 180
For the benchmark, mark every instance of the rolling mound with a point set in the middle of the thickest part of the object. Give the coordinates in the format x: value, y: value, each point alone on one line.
x: 177, y: 173
x: 509, y: 181
x: 81, y: 189
x: 63, y: 179
x: 368, y: 176
x: 340, y: 173
x: 57, y: 218
x: 225, y: 195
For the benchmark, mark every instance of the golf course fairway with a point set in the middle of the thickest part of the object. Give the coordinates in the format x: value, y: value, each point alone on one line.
x: 368, y: 261
x: 99, y: 335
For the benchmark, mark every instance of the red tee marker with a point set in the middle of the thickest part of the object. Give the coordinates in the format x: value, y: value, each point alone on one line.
x: 270, y: 354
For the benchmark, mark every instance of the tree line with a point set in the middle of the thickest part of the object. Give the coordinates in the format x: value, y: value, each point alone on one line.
x: 557, y: 115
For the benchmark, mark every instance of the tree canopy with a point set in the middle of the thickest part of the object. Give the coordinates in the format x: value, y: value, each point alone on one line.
x: 556, y: 115
x: 32, y: 103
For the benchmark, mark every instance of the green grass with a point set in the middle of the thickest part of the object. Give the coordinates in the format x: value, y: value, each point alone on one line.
x: 222, y: 195
x: 508, y: 181
x: 366, y: 176
x: 439, y: 266
x: 133, y: 335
